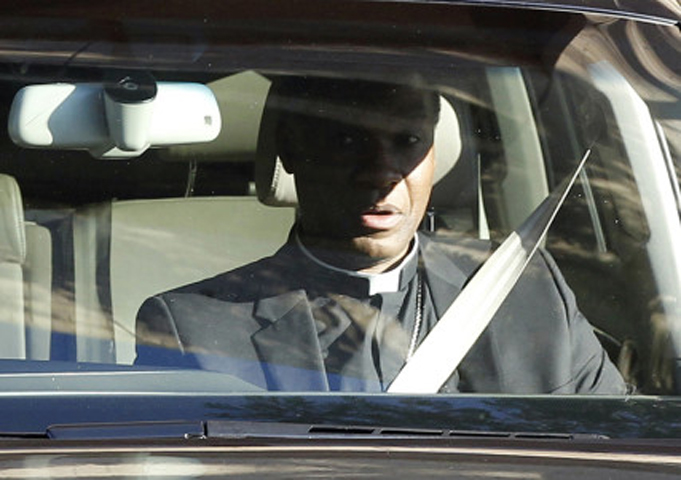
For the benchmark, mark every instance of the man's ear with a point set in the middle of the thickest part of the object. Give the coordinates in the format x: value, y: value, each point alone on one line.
x: 285, y: 140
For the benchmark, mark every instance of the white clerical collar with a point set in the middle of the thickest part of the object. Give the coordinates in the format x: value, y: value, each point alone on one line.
x: 385, y: 282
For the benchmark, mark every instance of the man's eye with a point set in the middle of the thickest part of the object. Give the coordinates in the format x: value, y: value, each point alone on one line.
x: 351, y: 140
x: 407, y: 140
x: 347, y: 140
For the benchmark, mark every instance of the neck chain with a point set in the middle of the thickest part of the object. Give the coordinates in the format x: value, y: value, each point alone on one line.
x: 419, y: 316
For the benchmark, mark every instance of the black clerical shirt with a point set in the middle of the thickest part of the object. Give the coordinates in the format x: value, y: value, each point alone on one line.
x: 366, y: 325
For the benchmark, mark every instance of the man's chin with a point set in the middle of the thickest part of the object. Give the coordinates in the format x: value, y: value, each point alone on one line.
x: 379, y: 253
x: 370, y: 251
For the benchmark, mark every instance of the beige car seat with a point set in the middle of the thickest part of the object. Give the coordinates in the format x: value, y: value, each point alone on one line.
x: 25, y: 279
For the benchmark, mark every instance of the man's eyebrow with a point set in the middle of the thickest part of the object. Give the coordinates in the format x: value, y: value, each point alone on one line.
x: 365, y: 117
x: 396, y: 127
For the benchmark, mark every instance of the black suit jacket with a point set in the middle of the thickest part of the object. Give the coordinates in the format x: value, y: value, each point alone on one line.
x: 255, y: 323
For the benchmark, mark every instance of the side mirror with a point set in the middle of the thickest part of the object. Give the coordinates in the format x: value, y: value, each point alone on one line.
x: 117, y: 120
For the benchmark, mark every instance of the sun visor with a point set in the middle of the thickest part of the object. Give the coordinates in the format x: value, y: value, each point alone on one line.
x: 114, y: 120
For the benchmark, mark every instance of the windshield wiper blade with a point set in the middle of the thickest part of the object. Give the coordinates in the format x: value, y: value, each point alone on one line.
x: 127, y: 430
x: 242, y: 430
x: 254, y: 430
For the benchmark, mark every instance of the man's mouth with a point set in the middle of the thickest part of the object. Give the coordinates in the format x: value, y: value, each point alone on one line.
x: 381, y: 217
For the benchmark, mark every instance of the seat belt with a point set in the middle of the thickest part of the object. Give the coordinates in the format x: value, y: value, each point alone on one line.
x: 456, y: 332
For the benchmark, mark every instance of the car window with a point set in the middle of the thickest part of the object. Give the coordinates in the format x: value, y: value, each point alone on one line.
x: 234, y: 198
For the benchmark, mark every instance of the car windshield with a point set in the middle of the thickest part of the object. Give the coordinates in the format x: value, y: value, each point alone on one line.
x: 389, y: 198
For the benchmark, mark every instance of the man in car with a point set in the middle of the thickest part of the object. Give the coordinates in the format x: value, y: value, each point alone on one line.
x: 355, y: 290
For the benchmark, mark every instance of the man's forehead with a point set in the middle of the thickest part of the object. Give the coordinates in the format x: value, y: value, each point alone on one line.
x: 356, y: 102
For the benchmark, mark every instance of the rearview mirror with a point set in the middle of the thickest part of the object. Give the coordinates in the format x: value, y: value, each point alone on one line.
x: 119, y: 120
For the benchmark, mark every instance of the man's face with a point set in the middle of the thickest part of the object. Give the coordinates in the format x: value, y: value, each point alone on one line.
x: 364, y: 166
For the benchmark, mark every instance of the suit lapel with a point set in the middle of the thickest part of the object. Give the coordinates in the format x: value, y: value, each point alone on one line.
x: 288, y: 347
x: 445, y: 279
x: 448, y: 268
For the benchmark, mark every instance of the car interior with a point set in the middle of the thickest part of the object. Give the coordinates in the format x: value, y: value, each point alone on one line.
x: 86, y: 240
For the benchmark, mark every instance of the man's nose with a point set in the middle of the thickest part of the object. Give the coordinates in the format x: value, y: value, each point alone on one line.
x: 380, y: 167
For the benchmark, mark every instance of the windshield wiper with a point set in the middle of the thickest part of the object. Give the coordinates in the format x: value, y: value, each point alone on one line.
x: 242, y: 430
x: 127, y: 430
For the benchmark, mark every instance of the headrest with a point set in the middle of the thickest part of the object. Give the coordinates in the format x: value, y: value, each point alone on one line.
x: 12, y: 232
x: 276, y: 187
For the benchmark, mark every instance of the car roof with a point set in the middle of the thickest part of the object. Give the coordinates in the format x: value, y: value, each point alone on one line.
x: 657, y: 11
x: 665, y: 11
